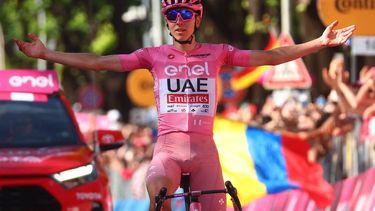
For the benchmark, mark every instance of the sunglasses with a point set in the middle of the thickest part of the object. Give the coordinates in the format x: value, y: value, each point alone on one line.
x: 185, y: 14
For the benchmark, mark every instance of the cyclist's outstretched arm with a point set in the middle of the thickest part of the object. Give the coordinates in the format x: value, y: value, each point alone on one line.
x: 331, y: 37
x: 88, y: 61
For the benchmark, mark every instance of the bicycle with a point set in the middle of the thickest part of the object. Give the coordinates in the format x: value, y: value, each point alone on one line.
x: 192, y: 197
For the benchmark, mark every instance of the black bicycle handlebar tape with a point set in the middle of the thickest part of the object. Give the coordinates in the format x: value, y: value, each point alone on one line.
x: 160, y: 198
x: 233, y: 193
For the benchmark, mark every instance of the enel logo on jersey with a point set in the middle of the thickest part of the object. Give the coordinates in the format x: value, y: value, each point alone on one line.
x: 194, y: 70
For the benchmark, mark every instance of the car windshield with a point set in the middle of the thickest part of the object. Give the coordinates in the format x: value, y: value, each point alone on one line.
x: 36, y: 124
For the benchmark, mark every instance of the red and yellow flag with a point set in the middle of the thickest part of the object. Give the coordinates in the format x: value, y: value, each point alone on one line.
x: 248, y: 76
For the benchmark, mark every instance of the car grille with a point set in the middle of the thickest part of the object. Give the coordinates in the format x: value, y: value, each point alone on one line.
x: 27, y: 198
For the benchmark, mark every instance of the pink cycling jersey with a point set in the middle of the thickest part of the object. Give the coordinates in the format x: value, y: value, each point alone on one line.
x: 185, y: 83
x: 185, y: 88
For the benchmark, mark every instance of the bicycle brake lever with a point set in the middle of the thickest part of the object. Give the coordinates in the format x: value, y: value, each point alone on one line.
x: 233, y: 193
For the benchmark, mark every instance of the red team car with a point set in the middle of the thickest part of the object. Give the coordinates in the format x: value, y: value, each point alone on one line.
x: 45, y: 164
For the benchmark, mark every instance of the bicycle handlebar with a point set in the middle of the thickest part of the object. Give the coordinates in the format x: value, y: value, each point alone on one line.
x: 232, y: 191
x: 194, y: 193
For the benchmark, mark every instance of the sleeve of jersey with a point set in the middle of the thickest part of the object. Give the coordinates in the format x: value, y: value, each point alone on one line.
x: 236, y: 57
x: 136, y: 60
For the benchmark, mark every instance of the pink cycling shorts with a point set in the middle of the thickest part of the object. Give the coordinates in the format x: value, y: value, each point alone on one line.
x: 196, y: 154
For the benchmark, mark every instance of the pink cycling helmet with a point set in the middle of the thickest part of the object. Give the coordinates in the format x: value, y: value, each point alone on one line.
x: 195, y: 5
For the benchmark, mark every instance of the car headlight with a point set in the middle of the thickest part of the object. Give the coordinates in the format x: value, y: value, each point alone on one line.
x: 77, y: 176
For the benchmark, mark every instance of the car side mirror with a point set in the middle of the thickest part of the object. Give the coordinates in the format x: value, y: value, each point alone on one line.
x: 109, y: 139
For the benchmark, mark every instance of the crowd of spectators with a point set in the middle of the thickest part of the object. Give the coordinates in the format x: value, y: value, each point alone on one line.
x: 344, y: 118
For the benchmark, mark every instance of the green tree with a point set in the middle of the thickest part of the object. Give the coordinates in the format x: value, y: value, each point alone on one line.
x: 74, y: 26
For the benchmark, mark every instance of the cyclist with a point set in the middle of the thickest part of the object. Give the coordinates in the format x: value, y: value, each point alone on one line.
x: 185, y: 76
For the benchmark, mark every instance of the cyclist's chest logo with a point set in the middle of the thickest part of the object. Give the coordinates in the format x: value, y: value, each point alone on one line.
x: 187, y: 85
x: 186, y: 70
x: 195, y: 95
x: 187, y: 91
x: 187, y: 88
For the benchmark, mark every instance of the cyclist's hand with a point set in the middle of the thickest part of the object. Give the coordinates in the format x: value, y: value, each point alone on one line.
x: 34, y: 49
x: 332, y: 37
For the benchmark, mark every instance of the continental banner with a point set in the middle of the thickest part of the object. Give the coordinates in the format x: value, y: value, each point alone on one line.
x: 348, y: 12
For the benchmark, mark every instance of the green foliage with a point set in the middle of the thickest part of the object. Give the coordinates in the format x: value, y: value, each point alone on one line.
x: 104, y: 14
x: 78, y: 22
x: 52, y: 28
x: 272, y: 3
x: 105, y: 41
x: 252, y: 26
x: 301, y: 7
x: 86, y: 23
x: 10, y: 19
x: 245, y: 4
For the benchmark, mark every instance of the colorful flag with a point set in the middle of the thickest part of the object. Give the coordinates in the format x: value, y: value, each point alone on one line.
x: 259, y: 162
x: 248, y: 76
